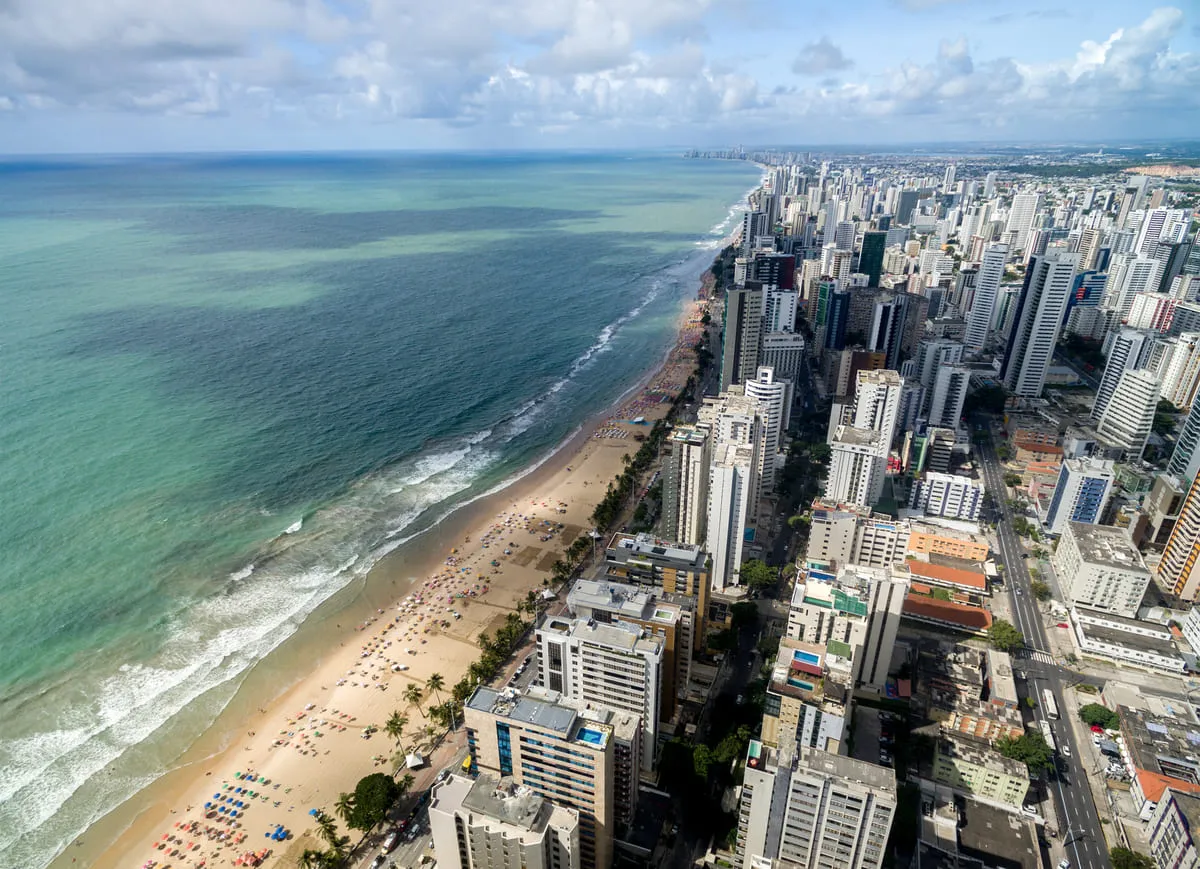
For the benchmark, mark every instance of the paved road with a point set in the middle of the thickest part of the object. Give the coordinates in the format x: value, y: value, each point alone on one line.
x: 1079, y: 825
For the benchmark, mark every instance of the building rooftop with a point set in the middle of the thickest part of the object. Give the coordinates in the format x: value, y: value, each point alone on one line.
x: 688, y: 434
x: 861, y: 437
x: 1189, y: 805
x: 967, y: 618
x: 624, y: 547
x: 997, y: 838
x: 625, y: 636
x: 941, y: 574
x: 979, y: 754
x: 503, y: 800
x: 879, y: 778
x: 623, y: 600
x: 1108, y: 546
x: 1165, y: 748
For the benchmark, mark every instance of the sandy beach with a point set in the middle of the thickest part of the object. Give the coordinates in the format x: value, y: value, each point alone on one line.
x: 269, y: 762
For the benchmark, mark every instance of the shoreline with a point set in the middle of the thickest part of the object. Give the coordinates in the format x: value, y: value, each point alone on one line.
x: 565, y: 484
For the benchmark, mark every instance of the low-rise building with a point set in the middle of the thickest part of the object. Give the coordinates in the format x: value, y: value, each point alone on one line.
x: 491, y: 823
x: 947, y: 614
x: 974, y: 768
x: 1100, y: 568
x: 1126, y: 641
x: 1158, y: 751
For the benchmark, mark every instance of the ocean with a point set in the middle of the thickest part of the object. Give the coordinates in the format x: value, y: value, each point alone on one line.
x: 230, y: 385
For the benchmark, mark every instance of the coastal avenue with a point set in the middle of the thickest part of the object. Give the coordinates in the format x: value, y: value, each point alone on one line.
x: 1079, y: 825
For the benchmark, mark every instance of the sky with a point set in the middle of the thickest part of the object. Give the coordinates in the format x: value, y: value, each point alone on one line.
x: 242, y: 75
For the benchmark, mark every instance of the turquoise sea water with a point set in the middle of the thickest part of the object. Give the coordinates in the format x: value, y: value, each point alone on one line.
x: 228, y: 386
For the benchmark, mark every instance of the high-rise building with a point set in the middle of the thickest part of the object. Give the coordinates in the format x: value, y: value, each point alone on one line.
x: 1125, y: 351
x: 669, y: 617
x: 1177, y: 571
x: 932, y: 353
x: 1037, y: 322
x: 1099, y: 568
x: 809, y: 694
x: 810, y: 809
x: 856, y: 466
x: 906, y: 205
x: 687, y: 453
x: 743, y: 331
x: 732, y: 486
x: 1128, y: 419
x: 618, y: 665
x: 877, y: 401
x: 755, y: 224
x: 989, y: 185
x: 779, y: 310
x: 1185, y: 459
x: 566, y: 754
x: 948, y: 495
x: 1129, y: 275
x: 492, y: 823
x: 774, y: 397
x: 1081, y: 493
x: 1021, y: 216
x: 987, y: 289
x: 950, y: 388
x: 1173, y: 828
x: 784, y: 352
x: 660, y: 566
x: 870, y: 260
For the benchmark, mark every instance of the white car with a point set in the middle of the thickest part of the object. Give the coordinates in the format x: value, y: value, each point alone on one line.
x: 1064, y: 863
x: 389, y: 844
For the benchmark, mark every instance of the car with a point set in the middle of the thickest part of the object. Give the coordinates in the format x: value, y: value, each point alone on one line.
x: 1018, y: 592
x: 1029, y: 810
x: 1064, y: 863
x: 1062, y: 625
x: 392, y: 840
x: 1066, y: 750
x: 378, y: 861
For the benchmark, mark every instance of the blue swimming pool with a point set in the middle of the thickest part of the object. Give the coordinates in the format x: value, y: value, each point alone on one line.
x: 592, y: 737
x: 806, y: 657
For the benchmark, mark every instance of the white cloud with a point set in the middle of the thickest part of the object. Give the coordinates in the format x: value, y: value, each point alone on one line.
x: 562, y: 67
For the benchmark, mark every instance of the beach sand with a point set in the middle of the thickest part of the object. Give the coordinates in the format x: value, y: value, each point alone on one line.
x: 307, y: 742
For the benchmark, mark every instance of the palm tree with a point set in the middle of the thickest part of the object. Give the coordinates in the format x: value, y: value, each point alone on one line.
x: 435, y: 683
x: 339, y: 848
x: 395, y: 727
x: 414, y: 696
x: 406, y: 783
x: 312, y: 859
x: 344, y: 806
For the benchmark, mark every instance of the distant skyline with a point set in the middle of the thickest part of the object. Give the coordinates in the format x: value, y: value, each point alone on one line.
x: 245, y: 75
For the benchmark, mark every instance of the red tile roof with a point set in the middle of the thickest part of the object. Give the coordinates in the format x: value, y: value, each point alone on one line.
x: 971, y: 618
x: 942, y: 575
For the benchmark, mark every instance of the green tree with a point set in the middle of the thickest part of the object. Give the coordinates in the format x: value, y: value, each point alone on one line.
x: 702, y: 758
x: 758, y: 574
x: 1011, y: 479
x: 313, y: 859
x: 373, y: 796
x: 395, y: 727
x: 345, y: 810
x: 990, y: 399
x: 414, y: 696
x: 1123, y: 858
x: 1096, y: 714
x: 941, y: 594
x: 434, y: 684
x: 744, y: 614
x: 1040, y: 589
x: 1003, y: 636
x: 1029, y: 748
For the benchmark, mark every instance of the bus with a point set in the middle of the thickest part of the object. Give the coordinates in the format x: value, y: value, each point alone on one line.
x: 1048, y: 704
x: 1048, y: 734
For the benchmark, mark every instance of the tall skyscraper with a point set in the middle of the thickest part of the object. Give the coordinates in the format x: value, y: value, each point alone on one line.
x: 1125, y: 352
x: 1185, y: 460
x: 1037, y: 321
x: 857, y: 465
x: 809, y: 809
x: 1127, y: 419
x: 743, y: 332
x: 1177, y: 571
x: 877, y: 402
x: 1081, y: 494
x: 775, y: 399
x: 905, y: 206
x: 563, y: 753
x: 617, y: 665
x: 686, y: 456
x: 987, y: 288
x: 1021, y: 216
x: 950, y: 389
x: 870, y: 261
x: 732, y: 487
x: 932, y: 354
x: 1127, y: 276
x: 989, y: 185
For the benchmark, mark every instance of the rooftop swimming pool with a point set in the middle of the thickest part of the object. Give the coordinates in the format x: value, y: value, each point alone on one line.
x: 805, y: 657
x: 591, y: 737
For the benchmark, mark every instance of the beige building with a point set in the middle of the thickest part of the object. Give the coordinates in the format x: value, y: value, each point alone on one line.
x: 490, y: 823
x: 658, y: 565
x: 809, y: 695
x: 584, y: 758
x: 1100, y: 568
x: 1172, y: 829
x: 974, y: 768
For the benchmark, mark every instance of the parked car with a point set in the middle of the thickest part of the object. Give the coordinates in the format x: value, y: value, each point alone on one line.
x: 1064, y: 863
x: 378, y: 861
x: 1062, y: 625
x: 1029, y: 810
x: 392, y: 840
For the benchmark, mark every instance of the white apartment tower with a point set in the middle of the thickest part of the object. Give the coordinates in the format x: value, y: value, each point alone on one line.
x: 774, y: 401
x: 1125, y: 352
x: 616, y: 664
x: 950, y: 389
x: 491, y: 823
x: 1021, y: 215
x: 806, y: 808
x: 1128, y: 419
x: 1037, y: 322
x: 1129, y: 275
x: 732, y: 485
x: 987, y: 290
x: 686, y: 458
x: 1100, y: 568
x: 857, y: 466
x: 877, y: 403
